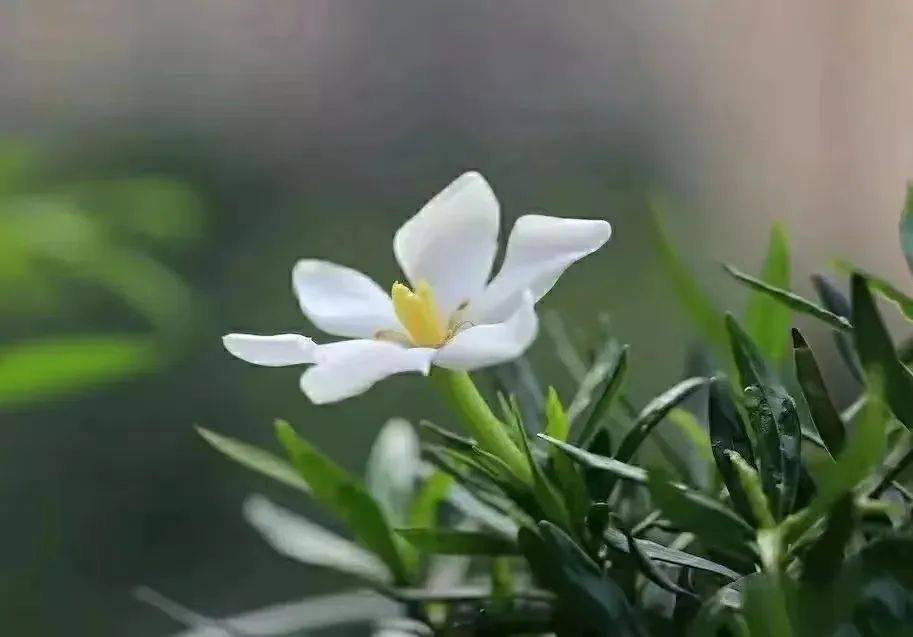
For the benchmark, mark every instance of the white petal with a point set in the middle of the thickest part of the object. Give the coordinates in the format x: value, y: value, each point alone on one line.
x: 342, y: 301
x: 348, y: 368
x: 539, y: 250
x: 485, y: 345
x: 452, y: 241
x: 272, y: 351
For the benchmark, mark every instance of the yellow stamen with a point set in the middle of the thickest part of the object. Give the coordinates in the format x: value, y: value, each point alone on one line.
x: 419, y: 314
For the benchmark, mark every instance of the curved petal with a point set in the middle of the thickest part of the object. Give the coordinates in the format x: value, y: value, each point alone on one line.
x: 485, y: 345
x: 342, y: 301
x: 451, y: 242
x: 272, y: 351
x: 539, y: 250
x: 348, y: 368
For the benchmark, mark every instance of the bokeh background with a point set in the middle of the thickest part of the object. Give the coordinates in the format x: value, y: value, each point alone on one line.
x: 163, y: 164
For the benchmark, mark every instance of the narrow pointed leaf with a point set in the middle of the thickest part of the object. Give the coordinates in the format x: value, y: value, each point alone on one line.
x: 255, y: 458
x: 825, y: 416
x: 883, y: 287
x: 661, y: 553
x: 835, y: 301
x: 774, y: 420
x: 727, y: 433
x: 346, y: 497
x: 597, y: 392
x: 573, y: 487
x: 825, y: 557
x: 876, y: 351
x: 766, y: 318
x: 653, y: 413
x: 791, y: 300
x: 603, y: 463
x: 651, y: 570
x: 546, y: 494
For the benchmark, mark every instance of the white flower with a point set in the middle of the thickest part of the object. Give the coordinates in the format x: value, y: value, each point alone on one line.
x: 453, y: 316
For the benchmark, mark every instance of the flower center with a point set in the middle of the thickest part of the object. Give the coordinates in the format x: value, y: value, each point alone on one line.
x: 419, y: 314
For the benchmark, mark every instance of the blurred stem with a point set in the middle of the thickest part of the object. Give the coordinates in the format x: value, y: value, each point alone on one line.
x: 482, y: 424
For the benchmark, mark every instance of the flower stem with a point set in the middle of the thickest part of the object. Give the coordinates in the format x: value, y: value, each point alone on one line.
x: 483, y: 425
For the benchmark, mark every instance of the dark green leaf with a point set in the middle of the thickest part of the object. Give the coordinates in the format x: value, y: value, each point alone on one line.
x: 453, y: 542
x: 653, y: 413
x: 602, y: 463
x: 423, y: 511
x: 835, y: 301
x: 256, y: 459
x: 448, y: 438
x: 573, y: 487
x: 792, y: 301
x: 589, y: 601
x: 824, y: 414
x: 825, y: 557
x: 876, y: 351
x: 650, y: 569
x: 774, y: 419
x: 727, y: 433
x: 344, y: 495
x: 707, y: 518
x: 766, y: 318
x: 661, y: 553
x: 546, y: 495
x: 884, y: 287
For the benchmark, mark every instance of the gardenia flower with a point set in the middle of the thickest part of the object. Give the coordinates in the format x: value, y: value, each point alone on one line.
x: 453, y: 316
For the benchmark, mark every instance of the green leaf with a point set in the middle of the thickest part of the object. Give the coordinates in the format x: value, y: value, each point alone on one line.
x: 692, y: 297
x: 754, y: 492
x: 59, y: 366
x: 302, y: 540
x: 835, y: 301
x: 546, y: 495
x: 707, y: 518
x: 433, y: 492
x: 774, y: 420
x: 825, y: 557
x: 906, y: 226
x: 884, y: 287
x: 448, y: 438
x: 345, y: 496
x: 650, y: 569
x: 589, y: 602
x: 573, y: 487
x: 792, y: 301
x: 653, y: 413
x: 598, y: 390
x: 453, y: 542
x: 727, y: 433
x: 255, y: 458
x: 825, y: 416
x: 602, y: 463
x: 877, y: 354
x: 766, y: 318
x: 687, y: 423
x: 661, y: 553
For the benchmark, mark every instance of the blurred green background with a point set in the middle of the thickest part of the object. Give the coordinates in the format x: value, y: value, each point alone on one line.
x: 163, y: 165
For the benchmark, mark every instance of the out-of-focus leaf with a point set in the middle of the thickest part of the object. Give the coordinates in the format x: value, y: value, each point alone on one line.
x: 876, y: 351
x: 661, y: 553
x: 774, y: 418
x: 59, y: 366
x: 825, y: 558
x: 792, y: 301
x: 906, y: 226
x: 589, y: 601
x: 435, y: 490
x: 883, y: 287
x: 824, y: 414
x: 602, y: 463
x: 766, y: 318
x: 692, y: 297
x: 716, y: 618
x: 687, y: 423
x: 302, y: 540
x: 835, y: 301
x: 598, y: 391
x: 653, y: 413
x: 766, y: 605
x: 727, y: 433
x: 454, y: 542
x: 707, y: 518
x: 392, y: 468
x: 573, y: 488
x: 255, y: 458
x: 344, y: 495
